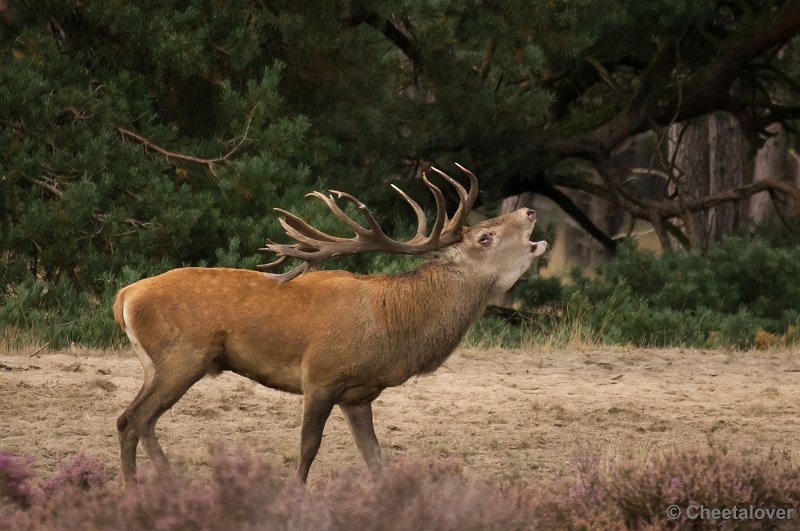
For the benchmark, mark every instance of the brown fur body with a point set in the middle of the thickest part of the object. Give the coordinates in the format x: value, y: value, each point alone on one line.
x: 335, y: 337
x: 382, y: 325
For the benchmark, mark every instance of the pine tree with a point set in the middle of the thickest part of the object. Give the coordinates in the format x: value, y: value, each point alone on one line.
x: 135, y: 139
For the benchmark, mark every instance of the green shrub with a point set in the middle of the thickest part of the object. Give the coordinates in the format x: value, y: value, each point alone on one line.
x: 738, y: 291
x: 718, y: 299
x: 736, y: 273
x: 740, y: 294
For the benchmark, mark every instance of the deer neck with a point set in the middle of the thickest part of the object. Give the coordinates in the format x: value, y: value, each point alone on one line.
x: 426, y: 313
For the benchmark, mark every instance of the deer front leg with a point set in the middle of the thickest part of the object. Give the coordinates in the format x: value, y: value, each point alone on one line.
x: 317, y: 408
x: 359, y: 417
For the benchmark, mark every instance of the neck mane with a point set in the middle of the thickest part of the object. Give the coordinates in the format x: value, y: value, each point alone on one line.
x: 427, y: 311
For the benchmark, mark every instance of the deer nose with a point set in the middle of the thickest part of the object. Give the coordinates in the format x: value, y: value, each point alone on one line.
x: 531, y: 214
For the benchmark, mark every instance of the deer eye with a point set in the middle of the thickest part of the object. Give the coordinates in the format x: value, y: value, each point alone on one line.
x: 485, y: 239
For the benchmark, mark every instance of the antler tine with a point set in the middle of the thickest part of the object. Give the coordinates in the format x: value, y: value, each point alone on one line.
x: 296, y: 226
x: 289, y: 275
x: 465, y: 199
x: 441, y: 213
x: 275, y: 263
x: 376, y: 227
x: 473, y: 186
x: 422, y: 221
x: 339, y: 213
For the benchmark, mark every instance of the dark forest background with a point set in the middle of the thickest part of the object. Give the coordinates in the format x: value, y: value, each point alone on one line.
x: 140, y: 136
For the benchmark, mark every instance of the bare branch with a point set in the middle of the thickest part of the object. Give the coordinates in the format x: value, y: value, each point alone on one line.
x: 389, y: 30
x: 710, y: 89
x: 210, y: 163
x: 604, y: 74
x: 572, y: 210
x: 733, y: 195
x: 49, y: 185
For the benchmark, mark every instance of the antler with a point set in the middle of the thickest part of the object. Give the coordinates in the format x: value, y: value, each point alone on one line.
x: 314, y: 246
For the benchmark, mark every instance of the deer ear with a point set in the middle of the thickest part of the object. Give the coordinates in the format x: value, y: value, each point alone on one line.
x: 433, y: 256
x: 440, y: 256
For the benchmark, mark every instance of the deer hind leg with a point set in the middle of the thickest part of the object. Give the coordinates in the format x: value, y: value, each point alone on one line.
x: 128, y: 441
x: 359, y: 418
x: 128, y: 435
x: 169, y: 385
x: 165, y: 383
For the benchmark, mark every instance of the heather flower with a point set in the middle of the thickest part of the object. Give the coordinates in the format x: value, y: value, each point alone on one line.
x: 243, y: 492
x: 81, y: 472
x: 15, y: 479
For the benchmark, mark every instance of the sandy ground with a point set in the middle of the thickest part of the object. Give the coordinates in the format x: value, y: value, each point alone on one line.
x: 502, y: 413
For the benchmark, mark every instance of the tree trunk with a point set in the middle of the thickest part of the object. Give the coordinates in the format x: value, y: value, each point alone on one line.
x: 775, y: 160
x: 711, y: 157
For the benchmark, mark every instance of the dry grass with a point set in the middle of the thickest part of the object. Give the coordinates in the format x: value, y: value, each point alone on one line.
x: 502, y: 413
x: 585, y: 436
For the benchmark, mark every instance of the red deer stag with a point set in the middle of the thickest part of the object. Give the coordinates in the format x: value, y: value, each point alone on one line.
x: 335, y: 337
